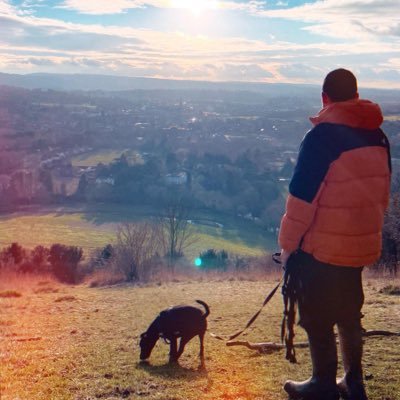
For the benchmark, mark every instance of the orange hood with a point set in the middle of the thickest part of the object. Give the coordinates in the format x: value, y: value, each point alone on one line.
x: 355, y: 113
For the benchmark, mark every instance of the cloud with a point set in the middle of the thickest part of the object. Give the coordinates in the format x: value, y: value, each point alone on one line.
x: 99, y: 7
x: 345, y: 18
x: 302, y: 71
x: 5, y: 7
x: 248, y: 6
x: 32, y: 44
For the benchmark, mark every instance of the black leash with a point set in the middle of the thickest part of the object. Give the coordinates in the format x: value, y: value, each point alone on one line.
x: 289, y: 314
x: 255, y: 316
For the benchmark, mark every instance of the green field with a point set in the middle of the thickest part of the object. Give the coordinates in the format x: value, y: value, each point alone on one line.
x: 59, y: 342
x: 96, y: 227
x: 92, y: 159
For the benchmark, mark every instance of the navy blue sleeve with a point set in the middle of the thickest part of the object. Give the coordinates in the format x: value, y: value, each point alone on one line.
x: 313, y: 163
x: 320, y: 147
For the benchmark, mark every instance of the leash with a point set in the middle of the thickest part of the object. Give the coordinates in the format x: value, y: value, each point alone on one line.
x: 289, y: 294
x: 255, y: 316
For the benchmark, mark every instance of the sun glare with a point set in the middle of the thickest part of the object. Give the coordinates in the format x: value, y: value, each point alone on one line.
x: 195, y: 7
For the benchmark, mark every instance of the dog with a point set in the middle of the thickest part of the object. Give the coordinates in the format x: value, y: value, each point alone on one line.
x: 184, y: 322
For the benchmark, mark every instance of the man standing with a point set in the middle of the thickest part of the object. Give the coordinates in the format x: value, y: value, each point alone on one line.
x: 332, y: 228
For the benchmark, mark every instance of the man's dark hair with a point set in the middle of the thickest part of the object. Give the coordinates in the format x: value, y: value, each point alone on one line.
x: 340, y: 85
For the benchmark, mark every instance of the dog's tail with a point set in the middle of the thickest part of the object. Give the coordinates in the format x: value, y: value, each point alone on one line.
x: 207, y: 313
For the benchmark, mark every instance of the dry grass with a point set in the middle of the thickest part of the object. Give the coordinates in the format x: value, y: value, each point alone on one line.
x: 88, y: 348
x: 104, y: 278
x: 10, y: 293
x: 25, y: 282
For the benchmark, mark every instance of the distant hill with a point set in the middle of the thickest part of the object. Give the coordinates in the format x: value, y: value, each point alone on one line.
x: 113, y: 83
x: 119, y: 83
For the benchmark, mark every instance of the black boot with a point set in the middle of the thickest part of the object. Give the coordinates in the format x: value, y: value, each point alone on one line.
x: 351, y: 386
x: 322, y: 384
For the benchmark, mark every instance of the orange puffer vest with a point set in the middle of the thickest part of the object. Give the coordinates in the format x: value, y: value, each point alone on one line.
x: 340, y: 187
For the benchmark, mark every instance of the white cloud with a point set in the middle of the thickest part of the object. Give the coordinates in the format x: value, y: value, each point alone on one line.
x: 6, y: 7
x: 100, y: 7
x: 248, y: 6
x: 31, y: 44
x: 345, y: 18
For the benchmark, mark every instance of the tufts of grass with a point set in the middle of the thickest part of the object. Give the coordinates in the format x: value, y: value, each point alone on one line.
x: 10, y: 293
x: 46, y: 290
x: 64, y: 298
x: 391, y: 290
x: 43, y: 283
x: 105, y: 278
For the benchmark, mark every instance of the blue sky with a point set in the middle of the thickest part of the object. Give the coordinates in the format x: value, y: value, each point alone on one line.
x: 296, y: 41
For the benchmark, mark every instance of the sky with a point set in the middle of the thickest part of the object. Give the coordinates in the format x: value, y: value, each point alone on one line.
x: 282, y: 41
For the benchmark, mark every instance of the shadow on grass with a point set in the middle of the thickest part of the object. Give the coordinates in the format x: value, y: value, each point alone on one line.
x: 173, y: 371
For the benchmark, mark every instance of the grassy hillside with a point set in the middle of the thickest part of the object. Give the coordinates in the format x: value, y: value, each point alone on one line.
x: 61, y: 342
x: 96, y: 228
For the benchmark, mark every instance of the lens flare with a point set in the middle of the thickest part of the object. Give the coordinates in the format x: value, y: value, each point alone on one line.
x: 197, y: 262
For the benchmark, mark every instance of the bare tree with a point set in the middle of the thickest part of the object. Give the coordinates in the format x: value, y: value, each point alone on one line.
x: 177, y: 232
x: 391, y: 235
x: 137, y: 244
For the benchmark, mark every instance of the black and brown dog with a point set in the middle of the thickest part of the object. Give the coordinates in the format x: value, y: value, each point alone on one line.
x: 184, y: 322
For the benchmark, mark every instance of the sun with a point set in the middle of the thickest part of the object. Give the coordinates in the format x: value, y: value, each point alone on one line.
x: 196, y: 7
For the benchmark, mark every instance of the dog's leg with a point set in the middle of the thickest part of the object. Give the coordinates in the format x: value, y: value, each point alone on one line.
x: 173, y: 357
x: 182, y: 345
x: 201, y: 337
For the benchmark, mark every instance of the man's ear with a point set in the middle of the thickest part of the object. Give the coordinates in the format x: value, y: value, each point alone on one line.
x: 325, y: 99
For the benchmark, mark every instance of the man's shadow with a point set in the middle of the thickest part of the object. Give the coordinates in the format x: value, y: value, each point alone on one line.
x: 173, y: 371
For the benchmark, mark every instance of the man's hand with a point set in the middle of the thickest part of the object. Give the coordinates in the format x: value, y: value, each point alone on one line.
x: 285, y: 256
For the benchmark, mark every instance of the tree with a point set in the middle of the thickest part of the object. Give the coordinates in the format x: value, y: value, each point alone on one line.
x: 171, y: 162
x: 137, y: 244
x: 46, y: 178
x: 82, y: 188
x: 107, y: 252
x: 176, y: 230
x: 391, y: 235
x: 212, y: 259
x: 287, y: 168
x: 39, y: 257
x: 64, y: 261
x: 272, y: 214
x: 15, y: 252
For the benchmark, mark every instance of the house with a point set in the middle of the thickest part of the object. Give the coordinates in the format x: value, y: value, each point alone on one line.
x: 105, y: 181
x: 180, y: 178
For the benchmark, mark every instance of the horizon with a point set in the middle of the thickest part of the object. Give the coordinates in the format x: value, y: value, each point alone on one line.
x: 291, y: 41
x: 243, y: 85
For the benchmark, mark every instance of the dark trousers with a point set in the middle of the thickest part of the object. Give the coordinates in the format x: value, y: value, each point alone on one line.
x: 327, y: 294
